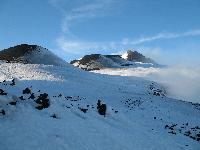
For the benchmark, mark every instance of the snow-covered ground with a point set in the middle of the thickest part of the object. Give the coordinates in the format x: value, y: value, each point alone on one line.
x: 139, y: 113
x: 181, y: 82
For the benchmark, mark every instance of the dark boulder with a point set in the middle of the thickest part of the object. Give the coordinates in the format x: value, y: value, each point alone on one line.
x: 2, y: 92
x: 26, y: 91
x: 2, y: 112
x: 101, y: 108
x: 42, y: 101
x: 54, y: 116
x: 83, y: 110
x: 32, y: 96
x: 13, y: 82
x: 13, y: 103
x: 21, y: 97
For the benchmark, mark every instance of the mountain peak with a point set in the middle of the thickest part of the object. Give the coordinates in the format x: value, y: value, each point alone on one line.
x: 136, y: 56
x: 13, y: 53
x: 30, y: 54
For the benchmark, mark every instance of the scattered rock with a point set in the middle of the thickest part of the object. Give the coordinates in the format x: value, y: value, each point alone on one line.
x: 54, y: 116
x: 39, y: 107
x: 2, y: 92
x: 172, y: 132
x: 101, y: 108
x: 69, y: 96
x: 191, y: 132
x: 187, y: 133
x: 13, y: 82
x: 42, y: 101
x: 21, y: 97
x: 2, y: 112
x: 83, y: 110
x: 13, y: 103
x: 26, y: 91
x: 32, y: 96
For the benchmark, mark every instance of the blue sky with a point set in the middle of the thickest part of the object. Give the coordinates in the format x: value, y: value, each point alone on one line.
x: 168, y: 31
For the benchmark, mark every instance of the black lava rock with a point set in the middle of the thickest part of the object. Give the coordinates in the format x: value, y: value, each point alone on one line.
x: 21, y: 97
x: 54, y: 116
x: 13, y: 103
x: 43, y: 101
x: 101, y: 108
x: 83, y: 110
x: 32, y: 96
x: 3, y: 112
x: 2, y: 92
x: 26, y: 91
x: 13, y: 82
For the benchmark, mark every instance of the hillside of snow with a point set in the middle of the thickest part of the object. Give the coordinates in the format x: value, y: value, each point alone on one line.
x: 55, y: 107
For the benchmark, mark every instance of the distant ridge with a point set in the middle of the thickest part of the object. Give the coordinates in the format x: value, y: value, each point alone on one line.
x: 128, y: 59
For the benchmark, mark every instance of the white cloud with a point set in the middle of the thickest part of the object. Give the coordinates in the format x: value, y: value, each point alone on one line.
x: 71, y: 46
x: 78, y: 47
x: 164, y: 36
x: 182, y: 82
x: 74, y: 46
x: 81, y: 10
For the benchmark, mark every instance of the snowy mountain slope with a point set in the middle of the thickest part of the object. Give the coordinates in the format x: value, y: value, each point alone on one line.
x: 30, y: 54
x: 139, y: 115
x: 128, y: 60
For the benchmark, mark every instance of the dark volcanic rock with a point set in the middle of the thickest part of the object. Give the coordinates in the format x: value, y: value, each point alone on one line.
x: 42, y: 101
x: 101, y: 108
x: 83, y: 110
x: 21, y: 97
x: 13, y: 82
x: 26, y: 91
x: 13, y: 53
x: 87, y: 58
x: 135, y: 56
x: 54, y: 116
x: 13, y: 103
x: 2, y: 112
x: 2, y: 92
x: 32, y: 96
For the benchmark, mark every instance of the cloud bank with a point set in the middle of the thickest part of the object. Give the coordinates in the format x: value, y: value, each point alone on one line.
x: 181, y: 82
x: 164, y: 35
